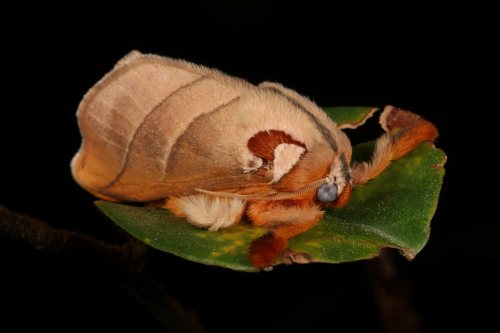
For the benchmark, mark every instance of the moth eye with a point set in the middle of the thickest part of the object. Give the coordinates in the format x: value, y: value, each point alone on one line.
x: 327, y: 193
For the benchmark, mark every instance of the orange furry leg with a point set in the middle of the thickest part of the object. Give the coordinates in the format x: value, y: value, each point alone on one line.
x: 284, y: 221
x: 174, y: 204
x: 263, y: 251
x: 409, y: 131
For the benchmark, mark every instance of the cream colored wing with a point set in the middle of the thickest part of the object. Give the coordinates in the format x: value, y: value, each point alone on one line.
x: 155, y: 127
x: 131, y: 119
x: 331, y: 132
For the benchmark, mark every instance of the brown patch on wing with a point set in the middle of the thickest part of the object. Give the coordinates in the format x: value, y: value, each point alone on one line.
x: 264, y: 143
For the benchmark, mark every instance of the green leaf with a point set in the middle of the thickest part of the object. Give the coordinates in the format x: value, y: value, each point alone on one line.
x: 394, y: 210
x: 350, y: 116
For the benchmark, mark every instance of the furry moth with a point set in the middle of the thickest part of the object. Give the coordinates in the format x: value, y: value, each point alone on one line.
x: 213, y: 149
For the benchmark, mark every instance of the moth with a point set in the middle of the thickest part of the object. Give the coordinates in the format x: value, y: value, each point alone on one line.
x: 214, y: 149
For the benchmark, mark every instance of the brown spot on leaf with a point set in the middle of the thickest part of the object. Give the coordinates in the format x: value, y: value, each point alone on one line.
x: 289, y: 257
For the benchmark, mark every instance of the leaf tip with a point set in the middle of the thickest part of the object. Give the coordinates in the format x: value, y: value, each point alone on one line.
x: 444, y: 159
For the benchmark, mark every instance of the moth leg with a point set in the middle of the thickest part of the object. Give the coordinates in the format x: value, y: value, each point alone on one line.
x: 408, y: 131
x: 204, y: 211
x: 283, y: 222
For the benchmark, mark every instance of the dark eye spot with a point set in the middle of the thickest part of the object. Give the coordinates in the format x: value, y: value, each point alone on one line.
x: 327, y: 193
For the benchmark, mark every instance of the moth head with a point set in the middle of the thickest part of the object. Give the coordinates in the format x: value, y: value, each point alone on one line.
x: 336, y: 191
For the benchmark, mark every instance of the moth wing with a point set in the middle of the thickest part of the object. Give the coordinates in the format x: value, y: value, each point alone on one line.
x: 309, y: 106
x: 132, y: 118
x: 286, y: 156
x: 278, y: 147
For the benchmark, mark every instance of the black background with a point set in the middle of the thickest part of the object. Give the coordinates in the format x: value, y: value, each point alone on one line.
x: 425, y: 60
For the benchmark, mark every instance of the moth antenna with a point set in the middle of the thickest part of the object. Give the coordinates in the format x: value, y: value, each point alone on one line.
x: 230, y: 195
x: 268, y: 197
x: 300, y: 192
